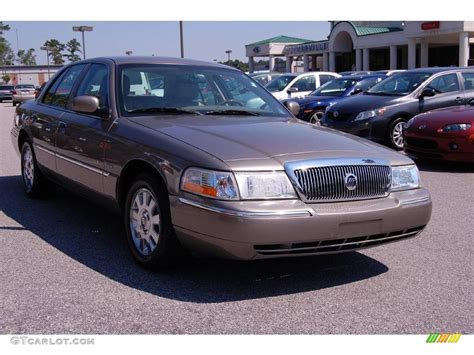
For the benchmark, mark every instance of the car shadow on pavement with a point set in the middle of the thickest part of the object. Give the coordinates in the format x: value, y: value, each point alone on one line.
x: 444, y: 166
x: 94, y: 238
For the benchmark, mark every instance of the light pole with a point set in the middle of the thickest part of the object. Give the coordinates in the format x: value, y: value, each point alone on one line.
x: 83, y: 29
x: 181, y: 41
x: 47, y: 49
x: 229, y: 51
x: 128, y: 52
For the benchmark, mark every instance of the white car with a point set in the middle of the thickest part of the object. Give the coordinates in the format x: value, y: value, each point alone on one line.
x: 293, y: 85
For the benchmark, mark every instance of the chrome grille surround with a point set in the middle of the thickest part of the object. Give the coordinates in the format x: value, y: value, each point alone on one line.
x: 323, y: 180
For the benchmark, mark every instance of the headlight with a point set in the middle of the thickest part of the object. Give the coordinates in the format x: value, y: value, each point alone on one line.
x: 208, y: 183
x: 265, y: 185
x: 405, y: 178
x: 456, y: 127
x: 365, y: 115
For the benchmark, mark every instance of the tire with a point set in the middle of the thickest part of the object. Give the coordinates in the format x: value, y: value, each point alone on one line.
x: 395, y: 133
x: 13, y: 103
x: 147, y: 219
x: 33, y: 180
x: 316, y: 116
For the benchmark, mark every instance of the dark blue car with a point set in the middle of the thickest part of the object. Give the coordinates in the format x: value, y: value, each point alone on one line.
x: 312, y: 107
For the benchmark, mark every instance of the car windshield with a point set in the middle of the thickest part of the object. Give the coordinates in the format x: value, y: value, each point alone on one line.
x: 279, y: 83
x: 399, y: 84
x: 177, y: 89
x: 335, y: 87
x: 6, y: 87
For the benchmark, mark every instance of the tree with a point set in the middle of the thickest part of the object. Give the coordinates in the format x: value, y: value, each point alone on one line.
x: 7, y: 56
x: 6, y: 78
x: 56, y: 50
x: 237, y: 64
x: 27, y: 57
x: 73, y: 47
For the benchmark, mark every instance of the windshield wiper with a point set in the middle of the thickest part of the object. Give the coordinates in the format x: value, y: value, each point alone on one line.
x: 232, y: 112
x: 175, y: 110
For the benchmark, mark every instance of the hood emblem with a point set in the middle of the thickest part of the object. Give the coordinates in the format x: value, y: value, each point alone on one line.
x: 368, y: 161
x: 423, y: 126
x: 335, y: 114
x: 350, y: 181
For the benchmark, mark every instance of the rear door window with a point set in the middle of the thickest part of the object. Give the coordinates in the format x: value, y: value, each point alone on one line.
x: 468, y: 79
x: 306, y: 83
x: 324, y: 78
x: 445, y: 83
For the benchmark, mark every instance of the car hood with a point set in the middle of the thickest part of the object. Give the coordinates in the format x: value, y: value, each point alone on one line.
x: 248, y: 143
x: 364, y: 102
x: 456, y: 114
x: 310, y: 99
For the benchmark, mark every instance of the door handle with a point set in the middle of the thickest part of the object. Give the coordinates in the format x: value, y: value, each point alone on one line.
x: 459, y: 99
x: 62, y: 124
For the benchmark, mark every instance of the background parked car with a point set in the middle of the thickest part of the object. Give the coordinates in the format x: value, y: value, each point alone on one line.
x: 380, y: 114
x: 313, y: 106
x: 359, y: 72
x: 446, y: 134
x: 289, y: 86
x: 388, y: 72
x: 265, y: 78
x: 6, y: 92
x: 23, y: 92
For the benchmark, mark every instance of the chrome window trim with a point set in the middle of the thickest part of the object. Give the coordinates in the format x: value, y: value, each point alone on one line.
x: 295, y: 213
x: 82, y: 165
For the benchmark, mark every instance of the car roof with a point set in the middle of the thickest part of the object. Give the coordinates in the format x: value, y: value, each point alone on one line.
x: 361, y: 77
x: 156, y: 60
x: 435, y: 70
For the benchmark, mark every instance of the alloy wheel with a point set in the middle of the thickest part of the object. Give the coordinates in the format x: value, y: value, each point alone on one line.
x: 397, y: 134
x: 28, y: 167
x: 144, y: 217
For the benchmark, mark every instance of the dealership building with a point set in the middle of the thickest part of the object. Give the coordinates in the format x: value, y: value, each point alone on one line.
x: 371, y: 45
x: 27, y: 74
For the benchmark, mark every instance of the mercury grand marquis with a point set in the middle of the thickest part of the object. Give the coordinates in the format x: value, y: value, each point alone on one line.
x: 197, y: 156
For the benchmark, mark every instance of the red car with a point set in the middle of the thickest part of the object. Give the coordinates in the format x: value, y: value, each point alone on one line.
x: 444, y: 134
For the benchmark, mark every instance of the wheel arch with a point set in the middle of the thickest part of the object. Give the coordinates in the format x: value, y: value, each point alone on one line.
x: 130, y: 172
x: 22, y: 137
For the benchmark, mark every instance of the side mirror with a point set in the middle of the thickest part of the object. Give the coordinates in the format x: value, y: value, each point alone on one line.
x: 471, y: 102
x: 427, y: 92
x: 88, y: 104
x: 292, y: 106
x: 357, y: 91
x: 292, y: 89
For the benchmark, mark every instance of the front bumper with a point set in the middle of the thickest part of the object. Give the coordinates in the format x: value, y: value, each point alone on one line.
x: 256, y: 229
x: 440, y: 148
x: 23, y: 98
x: 373, y: 129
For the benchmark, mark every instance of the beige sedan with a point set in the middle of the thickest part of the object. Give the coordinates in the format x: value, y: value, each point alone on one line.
x: 22, y: 93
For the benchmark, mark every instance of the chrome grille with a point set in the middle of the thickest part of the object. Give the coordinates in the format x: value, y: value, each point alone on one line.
x: 327, y: 183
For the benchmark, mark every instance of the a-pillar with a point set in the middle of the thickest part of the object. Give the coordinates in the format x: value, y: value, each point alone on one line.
x: 393, y: 57
x: 411, y: 53
x: 366, y: 59
x: 251, y: 65
x: 358, y: 59
x: 463, y: 49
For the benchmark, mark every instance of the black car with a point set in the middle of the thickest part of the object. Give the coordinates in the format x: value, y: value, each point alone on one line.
x: 380, y: 114
x: 6, y: 92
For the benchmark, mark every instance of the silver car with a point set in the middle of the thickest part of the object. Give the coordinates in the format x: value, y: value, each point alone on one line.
x: 22, y: 93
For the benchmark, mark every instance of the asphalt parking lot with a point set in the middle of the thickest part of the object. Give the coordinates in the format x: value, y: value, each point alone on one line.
x: 65, y: 268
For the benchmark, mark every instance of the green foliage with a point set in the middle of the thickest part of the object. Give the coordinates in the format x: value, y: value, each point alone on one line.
x: 27, y: 57
x: 6, y: 78
x: 73, y: 47
x: 237, y: 64
x: 7, y: 57
x: 56, y: 50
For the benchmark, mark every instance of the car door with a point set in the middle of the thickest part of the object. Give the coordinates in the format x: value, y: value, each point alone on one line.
x: 45, y: 120
x: 303, y: 86
x: 82, y: 138
x: 448, y: 93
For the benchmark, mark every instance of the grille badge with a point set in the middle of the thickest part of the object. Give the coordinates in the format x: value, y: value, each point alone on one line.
x: 423, y: 126
x: 350, y: 181
x: 335, y: 114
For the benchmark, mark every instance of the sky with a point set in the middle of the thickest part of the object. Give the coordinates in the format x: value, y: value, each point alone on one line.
x: 204, y: 40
